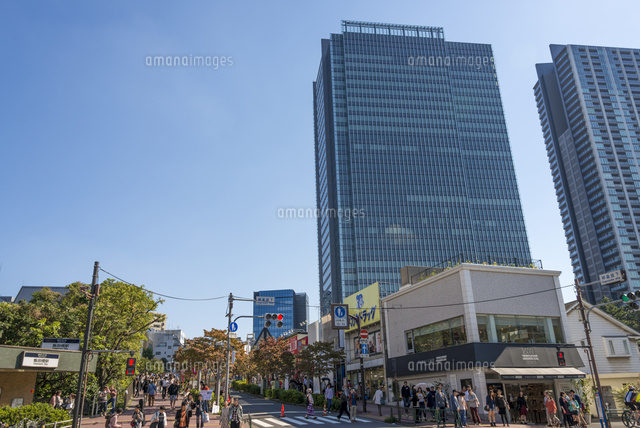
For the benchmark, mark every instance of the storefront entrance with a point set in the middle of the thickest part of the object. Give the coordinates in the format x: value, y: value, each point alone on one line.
x: 534, y: 395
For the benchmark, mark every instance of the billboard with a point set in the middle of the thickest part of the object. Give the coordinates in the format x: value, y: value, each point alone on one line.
x: 365, y: 304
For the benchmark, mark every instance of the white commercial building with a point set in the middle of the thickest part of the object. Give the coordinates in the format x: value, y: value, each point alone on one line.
x: 164, y: 343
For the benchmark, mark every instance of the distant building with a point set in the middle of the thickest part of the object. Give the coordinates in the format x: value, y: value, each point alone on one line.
x: 412, y: 158
x: 7, y: 299
x: 26, y: 293
x: 615, y: 346
x: 588, y: 101
x: 293, y: 306
x: 164, y: 343
x: 160, y: 324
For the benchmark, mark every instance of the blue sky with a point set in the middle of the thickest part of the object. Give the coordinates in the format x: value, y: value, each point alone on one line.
x: 172, y: 176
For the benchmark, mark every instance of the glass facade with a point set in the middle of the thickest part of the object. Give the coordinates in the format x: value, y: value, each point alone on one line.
x: 413, y: 162
x: 293, y: 306
x: 589, y: 106
x: 438, y: 335
x: 519, y: 329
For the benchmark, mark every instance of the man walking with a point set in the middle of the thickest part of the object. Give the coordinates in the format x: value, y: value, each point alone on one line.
x: 174, y: 389
x: 151, y: 391
x: 405, y: 392
x: 353, y: 404
x: 165, y: 386
x: 344, y: 402
x: 328, y: 397
x: 235, y: 414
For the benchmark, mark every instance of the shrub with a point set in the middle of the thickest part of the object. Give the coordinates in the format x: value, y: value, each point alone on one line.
x: 268, y: 393
x: 318, y: 400
x: 390, y: 419
x: 253, y: 389
x: 277, y: 393
x: 293, y: 396
x: 34, y: 412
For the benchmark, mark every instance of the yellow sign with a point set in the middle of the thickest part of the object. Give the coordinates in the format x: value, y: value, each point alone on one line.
x: 366, y: 305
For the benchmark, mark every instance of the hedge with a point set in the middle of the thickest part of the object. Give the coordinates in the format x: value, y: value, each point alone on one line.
x: 42, y: 412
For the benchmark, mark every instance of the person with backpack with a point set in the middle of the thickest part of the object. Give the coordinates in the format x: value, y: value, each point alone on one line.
x: 151, y: 392
x: 111, y: 420
x: 159, y: 419
x: 137, y: 420
x: 182, y: 416
x: 441, y: 405
x: 564, y: 405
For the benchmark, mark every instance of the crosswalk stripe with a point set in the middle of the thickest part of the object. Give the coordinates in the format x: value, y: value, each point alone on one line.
x: 326, y: 419
x: 362, y: 420
x: 309, y: 420
x: 261, y: 423
x: 277, y: 422
x: 294, y: 421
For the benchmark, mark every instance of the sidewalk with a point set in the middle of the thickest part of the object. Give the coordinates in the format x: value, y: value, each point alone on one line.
x: 125, y: 417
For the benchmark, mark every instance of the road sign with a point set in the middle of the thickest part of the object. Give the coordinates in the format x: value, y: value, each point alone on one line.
x: 233, y: 327
x: 339, y: 316
x: 612, y: 277
x: 364, y: 341
x: 364, y: 350
x: 61, y: 344
x: 265, y: 300
x: 364, y: 334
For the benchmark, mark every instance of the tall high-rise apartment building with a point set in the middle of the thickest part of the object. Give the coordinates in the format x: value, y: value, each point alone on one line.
x: 293, y: 306
x: 589, y: 105
x: 413, y: 162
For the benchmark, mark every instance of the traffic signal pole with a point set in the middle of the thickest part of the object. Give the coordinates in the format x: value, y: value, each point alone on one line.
x: 587, y: 330
x: 79, y: 404
x: 226, y: 384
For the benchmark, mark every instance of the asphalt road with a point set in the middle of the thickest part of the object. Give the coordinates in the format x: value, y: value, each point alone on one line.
x: 266, y: 414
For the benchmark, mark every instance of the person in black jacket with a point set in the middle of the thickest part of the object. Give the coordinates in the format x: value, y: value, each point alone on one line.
x: 523, y: 409
x: 174, y: 390
x: 182, y: 416
x: 406, y: 395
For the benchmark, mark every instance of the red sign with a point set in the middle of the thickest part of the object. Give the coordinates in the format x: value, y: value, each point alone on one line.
x: 364, y: 334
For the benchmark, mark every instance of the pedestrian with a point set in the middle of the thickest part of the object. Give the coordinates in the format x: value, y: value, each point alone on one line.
x: 405, y: 393
x: 455, y: 408
x: 113, y: 418
x: 151, y: 392
x: 165, y: 387
x: 353, y: 404
x: 414, y: 402
x: 174, y: 390
x: 113, y: 395
x: 421, y: 404
x: 378, y: 399
x: 567, y: 420
x: 503, y: 407
x: 431, y: 403
x: 205, y: 403
x: 521, y: 406
x: 182, y: 416
x: 344, y: 403
x: 56, y: 400
x: 551, y: 408
x: 224, y: 415
x: 235, y: 414
x: 159, y: 418
x: 441, y: 405
x: 310, y: 411
x: 138, y: 418
x: 490, y: 407
x: 473, y: 404
x: 197, y: 405
x: 462, y: 400
x: 70, y: 403
x: 328, y: 397
x: 581, y: 408
x: 103, y: 396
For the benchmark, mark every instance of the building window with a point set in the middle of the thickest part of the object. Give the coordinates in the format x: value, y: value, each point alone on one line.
x: 439, y: 335
x: 409, y: 342
x: 612, y: 350
x: 519, y: 329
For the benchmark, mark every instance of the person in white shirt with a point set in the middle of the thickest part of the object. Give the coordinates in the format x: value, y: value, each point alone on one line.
x: 328, y: 396
x: 377, y: 399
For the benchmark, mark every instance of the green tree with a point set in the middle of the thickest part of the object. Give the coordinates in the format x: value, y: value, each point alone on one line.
x: 622, y: 313
x: 319, y: 359
x: 148, y: 352
x: 123, y: 313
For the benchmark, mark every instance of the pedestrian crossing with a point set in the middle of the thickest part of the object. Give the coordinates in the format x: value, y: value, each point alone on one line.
x: 295, y: 421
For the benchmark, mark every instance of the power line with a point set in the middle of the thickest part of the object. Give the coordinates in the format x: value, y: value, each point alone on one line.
x: 160, y: 294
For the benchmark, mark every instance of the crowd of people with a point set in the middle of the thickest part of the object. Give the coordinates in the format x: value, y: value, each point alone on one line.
x: 432, y: 403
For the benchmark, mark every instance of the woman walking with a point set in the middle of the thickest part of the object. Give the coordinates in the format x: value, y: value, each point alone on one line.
x: 503, y: 407
x: 344, y: 403
x: 310, y: 411
x: 490, y: 406
x: 523, y: 409
x: 552, y: 409
x: 421, y: 404
x: 182, y: 416
x: 224, y: 415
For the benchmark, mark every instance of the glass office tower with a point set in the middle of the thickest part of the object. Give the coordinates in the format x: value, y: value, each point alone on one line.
x: 413, y: 163
x: 293, y: 306
x: 589, y: 105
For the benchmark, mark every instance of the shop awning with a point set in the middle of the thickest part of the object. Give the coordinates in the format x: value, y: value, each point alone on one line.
x: 539, y: 373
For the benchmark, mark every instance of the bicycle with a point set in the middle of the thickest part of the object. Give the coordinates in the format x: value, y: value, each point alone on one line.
x: 630, y: 418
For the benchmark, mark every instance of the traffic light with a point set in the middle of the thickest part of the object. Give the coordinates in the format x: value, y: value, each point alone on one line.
x: 561, y: 361
x: 131, y: 367
x: 631, y: 299
x: 277, y: 318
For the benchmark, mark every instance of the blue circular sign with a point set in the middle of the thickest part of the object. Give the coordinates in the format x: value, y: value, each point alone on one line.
x: 233, y: 327
x: 340, y: 312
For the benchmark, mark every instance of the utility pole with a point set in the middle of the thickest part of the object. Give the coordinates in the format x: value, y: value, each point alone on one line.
x: 587, y: 330
x: 364, y: 401
x: 226, y: 387
x: 79, y: 404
